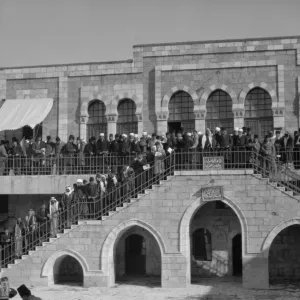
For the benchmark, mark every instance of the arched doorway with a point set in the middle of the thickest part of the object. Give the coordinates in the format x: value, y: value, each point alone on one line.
x: 258, y: 112
x: 137, y: 256
x: 284, y: 256
x: 237, y: 261
x: 211, y: 230
x: 219, y: 111
x: 97, y: 122
x: 181, y: 112
x: 127, y: 120
x: 67, y: 270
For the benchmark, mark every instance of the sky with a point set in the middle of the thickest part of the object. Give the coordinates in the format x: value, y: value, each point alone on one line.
x: 41, y: 32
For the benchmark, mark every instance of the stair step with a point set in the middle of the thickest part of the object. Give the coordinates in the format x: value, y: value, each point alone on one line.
x: 51, y: 240
x: 9, y: 266
x: 24, y: 257
x: 67, y: 230
x: 31, y: 252
x: 74, y: 226
x: 4, y: 269
x: 17, y: 261
x: 281, y: 188
x: 59, y: 235
x: 119, y: 208
x: 111, y: 213
x: 156, y: 185
x: 125, y: 204
x: 104, y: 217
x: 289, y: 193
x: 133, y: 200
x: 46, y: 243
x: 37, y: 248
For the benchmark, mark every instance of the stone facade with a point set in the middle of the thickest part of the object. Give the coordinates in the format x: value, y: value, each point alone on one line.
x: 158, y: 71
x: 168, y: 214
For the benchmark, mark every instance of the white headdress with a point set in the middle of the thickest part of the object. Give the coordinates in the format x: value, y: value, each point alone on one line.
x: 55, y: 205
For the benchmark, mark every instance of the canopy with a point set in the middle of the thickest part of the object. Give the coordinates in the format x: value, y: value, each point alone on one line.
x: 17, y: 113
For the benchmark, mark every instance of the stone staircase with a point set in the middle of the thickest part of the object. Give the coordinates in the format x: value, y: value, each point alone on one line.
x: 178, y: 193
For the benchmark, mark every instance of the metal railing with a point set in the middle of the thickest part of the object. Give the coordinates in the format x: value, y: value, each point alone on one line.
x: 84, y: 207
x: 52, y: 165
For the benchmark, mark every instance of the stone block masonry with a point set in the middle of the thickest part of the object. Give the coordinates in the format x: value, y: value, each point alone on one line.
x: 98, y: 245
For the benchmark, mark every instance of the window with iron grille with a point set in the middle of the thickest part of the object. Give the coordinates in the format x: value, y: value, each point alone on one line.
x: 219, y: 111
x: 127, y: 119
x: 202, y: 249
x: 97, y: 122
x: 181, y: 109
x: 258, y: 112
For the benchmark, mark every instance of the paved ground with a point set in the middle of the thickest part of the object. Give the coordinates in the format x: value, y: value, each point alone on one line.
x: 208, y: 289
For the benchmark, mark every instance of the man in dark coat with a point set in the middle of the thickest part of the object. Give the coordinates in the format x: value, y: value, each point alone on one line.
x: 225, y: 144
x: 138, y: 167
x: 90, y: 151
x: 44, y: 225
x: 239, y: 144
x: 69, y: 152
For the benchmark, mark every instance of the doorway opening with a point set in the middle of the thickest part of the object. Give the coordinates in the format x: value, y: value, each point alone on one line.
x: 135, y: 255
x: 237, y: 262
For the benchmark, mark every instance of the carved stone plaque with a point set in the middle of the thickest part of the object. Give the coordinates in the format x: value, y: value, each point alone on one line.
x: 212, y: 193
x: 213, y: 163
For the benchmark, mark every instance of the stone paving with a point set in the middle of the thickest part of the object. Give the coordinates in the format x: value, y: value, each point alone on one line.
x: 208, y: 289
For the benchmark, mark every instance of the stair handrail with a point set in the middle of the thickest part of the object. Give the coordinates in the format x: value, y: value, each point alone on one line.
x: 70, y: 215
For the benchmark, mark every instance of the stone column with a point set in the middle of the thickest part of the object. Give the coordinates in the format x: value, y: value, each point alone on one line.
x: 278, y: 114
x: 162, y: 123
x: 140, y: 124
x: 83, y: 129
x: 111, y: 124
x: 200, y: 115
x: 63, y: 109
x: 238, y: 111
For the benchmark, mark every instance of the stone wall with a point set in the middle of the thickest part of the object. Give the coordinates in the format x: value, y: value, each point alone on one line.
x: 158, y: 71
x: 223, y: 225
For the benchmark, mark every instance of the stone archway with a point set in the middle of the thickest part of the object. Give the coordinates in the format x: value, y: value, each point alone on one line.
x: 185, y: 245
x: 108, y: 249
x: 53, y: 263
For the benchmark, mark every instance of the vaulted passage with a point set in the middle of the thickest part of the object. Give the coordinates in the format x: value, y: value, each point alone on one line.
x: 137, y: 257
x: 67, y: 270
x: 216, y: 242
x: 284, y: 256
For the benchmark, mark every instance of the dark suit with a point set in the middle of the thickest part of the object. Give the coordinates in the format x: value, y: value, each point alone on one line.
x: 44, y: 225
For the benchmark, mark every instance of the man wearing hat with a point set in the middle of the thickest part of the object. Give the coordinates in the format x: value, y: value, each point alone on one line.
x: 143, y: 143
x: 3, y: 157
x: 124, y: 149
x: 54, y: 217
x: 66, y: 204
x: 69, y: 151
x: 25, y: 293
x: 239, y: 144
x: 5, y: 291
x: 218, y: 137
x: 102, y: 145
x: 90, y: 151
x: 49, y: 154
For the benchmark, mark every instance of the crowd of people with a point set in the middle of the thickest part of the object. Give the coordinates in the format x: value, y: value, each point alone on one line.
x: 37, y: 157
x: 151, y: 159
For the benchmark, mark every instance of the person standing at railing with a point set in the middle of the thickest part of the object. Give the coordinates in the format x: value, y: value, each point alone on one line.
x: 54, y: 217
x: 137, y: 166
x: 49, y: 155
x: 225, y: 145
x: 38, y: 148
x: 59, y: 145
x: 296, y: 155
x: 25, y: 234
x: 18, y: 238
x: 254, y: 150
x: 3, y: 157
x: 66, y: 204
x: 42, y: 218
x: 100, y: 201
x: 17, y: 155
x: 124, y: 150
x: 6, y: 241
x: 81, y: 196
x: 159, y: 164
x: 287, y: 149
x: 128, y: 183
x: 239, y: 144
x: 277, y: 144
x: 32, y: 229
x: 80, y: 145
x: 143, y: 143
x: 92, y: 192
x: 90, y: 151
x: 69, y: 151
x: 269, y: 155
x: 102, y: 152
x: 112, y: 184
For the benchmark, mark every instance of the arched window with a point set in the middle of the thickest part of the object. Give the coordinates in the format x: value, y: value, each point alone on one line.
x: 127, y: 119
x: 219, y: 111
x: 181, y: 112
x: 97, y: 122
x: 202, y: 249
x: 258, y: 112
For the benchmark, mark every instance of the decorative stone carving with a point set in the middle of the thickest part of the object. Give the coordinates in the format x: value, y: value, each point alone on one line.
x: 213, y: 163
x: 238, y: 113
x: 83, y: 119
x: 278, y: 112
x: 139, y: 117
x: 200, y: 115
x: 162, y: 116
x: 212, y: 193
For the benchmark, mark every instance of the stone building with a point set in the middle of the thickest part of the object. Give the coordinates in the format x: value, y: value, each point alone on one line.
x: 172, y: 231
